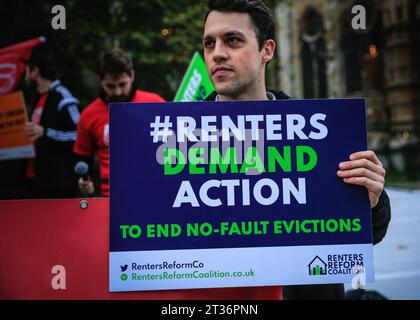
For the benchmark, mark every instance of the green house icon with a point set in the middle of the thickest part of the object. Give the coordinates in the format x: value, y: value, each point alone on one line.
x: 317, y: 267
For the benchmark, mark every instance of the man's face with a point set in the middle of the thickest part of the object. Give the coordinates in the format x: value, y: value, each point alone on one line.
x: 117, y: 88
x: 233, y: 59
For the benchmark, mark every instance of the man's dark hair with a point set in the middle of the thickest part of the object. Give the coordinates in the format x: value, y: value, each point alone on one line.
x: 259, y: 13
x: 46, y: 65
x: 114, y: 62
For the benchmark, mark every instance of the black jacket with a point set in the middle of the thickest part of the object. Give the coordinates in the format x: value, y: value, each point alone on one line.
x: 381, y: 216
x: 54, y: 150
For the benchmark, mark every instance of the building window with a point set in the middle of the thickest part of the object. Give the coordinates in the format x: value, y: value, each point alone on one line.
x: 313, y: 55
x: 363, y: 52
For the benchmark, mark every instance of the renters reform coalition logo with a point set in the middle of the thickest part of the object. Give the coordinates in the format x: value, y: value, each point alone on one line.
x: 347, y: 263
x: 317, y: 267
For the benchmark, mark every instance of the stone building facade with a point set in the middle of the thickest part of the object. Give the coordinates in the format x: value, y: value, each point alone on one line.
x: 327, y: 51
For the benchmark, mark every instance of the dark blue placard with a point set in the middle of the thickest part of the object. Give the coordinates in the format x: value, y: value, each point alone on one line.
x: 141, y: 194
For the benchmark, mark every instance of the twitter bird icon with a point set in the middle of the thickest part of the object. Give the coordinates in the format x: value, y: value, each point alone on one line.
x: 124, y: 267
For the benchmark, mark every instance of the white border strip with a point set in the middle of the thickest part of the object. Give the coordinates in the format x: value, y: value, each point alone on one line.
x: 214, y: 268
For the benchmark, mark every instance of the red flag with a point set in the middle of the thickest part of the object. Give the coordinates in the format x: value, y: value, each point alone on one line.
x: 11, y: 64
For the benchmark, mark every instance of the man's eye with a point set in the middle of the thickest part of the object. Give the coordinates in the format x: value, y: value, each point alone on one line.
x: 232, y: 41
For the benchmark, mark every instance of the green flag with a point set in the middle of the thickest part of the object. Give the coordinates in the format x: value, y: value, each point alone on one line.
x: 196, y: 85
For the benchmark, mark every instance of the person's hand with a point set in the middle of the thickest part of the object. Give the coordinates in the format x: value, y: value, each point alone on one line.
x: 34, y: 131
x: 86, y: 186
x: 364, y: 169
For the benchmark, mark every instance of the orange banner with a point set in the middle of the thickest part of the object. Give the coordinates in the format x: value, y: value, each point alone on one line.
x: 14, y: 142
x: 55, y: 249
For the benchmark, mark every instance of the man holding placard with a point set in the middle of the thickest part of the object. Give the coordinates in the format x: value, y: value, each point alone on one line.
x: 238, y: 44
x: 245, y: 191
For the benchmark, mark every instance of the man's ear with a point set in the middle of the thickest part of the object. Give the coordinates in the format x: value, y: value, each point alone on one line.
x: 268, y: 50
x: 133, y: 74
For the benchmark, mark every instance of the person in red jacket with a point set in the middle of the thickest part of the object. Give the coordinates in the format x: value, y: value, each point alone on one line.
x: 116, y: 74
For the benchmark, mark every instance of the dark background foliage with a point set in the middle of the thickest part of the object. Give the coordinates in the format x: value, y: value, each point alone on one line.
x: 161, y: 37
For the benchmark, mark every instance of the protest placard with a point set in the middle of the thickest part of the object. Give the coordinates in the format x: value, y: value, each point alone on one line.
x: 14, y: 142
x: 230, y: 194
